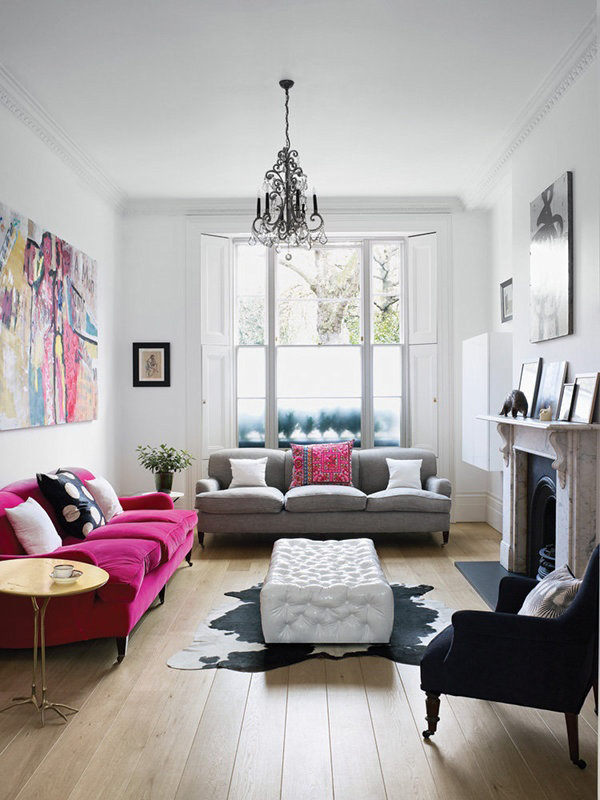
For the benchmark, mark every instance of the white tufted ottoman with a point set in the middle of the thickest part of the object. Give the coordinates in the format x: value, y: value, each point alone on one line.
x: 326, y: 592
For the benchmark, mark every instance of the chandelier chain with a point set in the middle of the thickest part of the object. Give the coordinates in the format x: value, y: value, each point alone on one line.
x: 287, y: 118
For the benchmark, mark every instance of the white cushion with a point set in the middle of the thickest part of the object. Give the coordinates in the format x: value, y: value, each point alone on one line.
x: 248, y: 472
x: 105, y: 496
x: 33, y: 528
x: 404, y: 473
x: 552, y: 596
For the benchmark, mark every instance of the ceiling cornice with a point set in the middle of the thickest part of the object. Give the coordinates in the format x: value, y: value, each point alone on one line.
x: 220, y: 207
x: 571, y: 66
x: 19, y: 102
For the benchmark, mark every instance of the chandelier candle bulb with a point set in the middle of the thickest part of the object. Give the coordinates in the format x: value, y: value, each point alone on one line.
x: 258, y: 206
x: 315, y: 207
x: 266, y: 204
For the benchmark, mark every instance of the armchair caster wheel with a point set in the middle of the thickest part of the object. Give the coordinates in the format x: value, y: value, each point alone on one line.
x: 580, y: 763
x: 427, y: 734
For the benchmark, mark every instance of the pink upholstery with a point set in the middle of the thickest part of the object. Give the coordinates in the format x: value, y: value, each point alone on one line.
x: 140, y: 549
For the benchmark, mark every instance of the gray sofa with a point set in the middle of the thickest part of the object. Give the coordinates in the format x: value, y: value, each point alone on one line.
x: 366, y: 507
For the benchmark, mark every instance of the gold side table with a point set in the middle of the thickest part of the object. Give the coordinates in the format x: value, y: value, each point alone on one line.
x: 30, y: 577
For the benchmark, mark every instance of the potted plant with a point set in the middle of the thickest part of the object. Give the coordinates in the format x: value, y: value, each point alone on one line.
x: 163, y: 461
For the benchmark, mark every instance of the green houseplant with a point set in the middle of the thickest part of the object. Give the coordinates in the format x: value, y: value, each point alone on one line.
x: 163, y: 461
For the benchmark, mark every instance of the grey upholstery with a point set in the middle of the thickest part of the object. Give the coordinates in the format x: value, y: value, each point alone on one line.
x: 220, y: 468
x: 408, y: 500
x: 323, y: 509
x: 325, y: 498
x: 289, y: 467
x: 374, y: 473
x: 244, y: 500
x: 438, y: 485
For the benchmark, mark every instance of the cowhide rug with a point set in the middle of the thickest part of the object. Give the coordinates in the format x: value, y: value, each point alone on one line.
x: 232, y: 637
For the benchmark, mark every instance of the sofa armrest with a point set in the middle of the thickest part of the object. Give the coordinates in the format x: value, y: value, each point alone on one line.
x: 207, y: 485
x: 150, y: 500
x: 68, y: 552
x: 438, y: 485
x: 512, y: 592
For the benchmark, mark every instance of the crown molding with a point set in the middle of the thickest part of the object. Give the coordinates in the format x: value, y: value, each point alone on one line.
x: 571, y: 66
x: 27, y: 110
x: 226, y: 207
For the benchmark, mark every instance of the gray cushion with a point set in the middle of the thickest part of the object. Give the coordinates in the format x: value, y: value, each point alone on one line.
x: 325, y: 497
x: 220, y: 468
x: 374, y: 473
x: 245, y: 500
x: 289, y: 466
x: 408, y: 500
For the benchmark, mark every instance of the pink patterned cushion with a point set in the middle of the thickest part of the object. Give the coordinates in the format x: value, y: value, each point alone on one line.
x: 322, y: 463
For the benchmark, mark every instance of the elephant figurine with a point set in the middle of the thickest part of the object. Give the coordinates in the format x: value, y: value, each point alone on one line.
x: 515, y: 402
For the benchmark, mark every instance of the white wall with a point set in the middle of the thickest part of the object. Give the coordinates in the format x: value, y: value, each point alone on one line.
x: 566, y: 139
x: 471, y: 286
x: 36, y: 182
x: 152, y: 308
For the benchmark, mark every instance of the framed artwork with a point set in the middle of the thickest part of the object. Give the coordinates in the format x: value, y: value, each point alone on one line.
x: 151, y: 364
x: 566, y: 402
x: 529, y: 382
x: 48, y: 327
x: 554, y: 374
x: 506, y: 300
x: 551, y: 261
x: 586, y: 389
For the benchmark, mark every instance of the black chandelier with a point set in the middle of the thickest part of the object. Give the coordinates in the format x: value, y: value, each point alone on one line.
x: 284, y: 220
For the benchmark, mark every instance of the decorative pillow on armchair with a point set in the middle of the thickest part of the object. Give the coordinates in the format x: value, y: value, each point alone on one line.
x: 75, y: 507
x: 552, y: 595
x: 322, y: 463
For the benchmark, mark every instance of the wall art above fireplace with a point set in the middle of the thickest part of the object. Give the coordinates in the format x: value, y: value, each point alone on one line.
x: 48, y: 327
x: 551, y: 261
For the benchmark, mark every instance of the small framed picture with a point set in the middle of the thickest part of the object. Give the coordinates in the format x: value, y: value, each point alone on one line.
x: 585, y: 397
x: 151, y: 363
x: 566, y: 402
x: 554, y: 374
x: 529, y: 383
x: 506, y: 300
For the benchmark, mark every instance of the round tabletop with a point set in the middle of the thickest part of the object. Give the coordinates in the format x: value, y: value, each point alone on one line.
x: 30, y: 577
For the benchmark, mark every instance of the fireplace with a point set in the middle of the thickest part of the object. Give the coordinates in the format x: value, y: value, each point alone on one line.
x: 573, y: 450
x: 541, y: 516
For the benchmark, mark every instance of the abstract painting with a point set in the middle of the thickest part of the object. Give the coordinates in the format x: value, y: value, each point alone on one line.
x: 551, y: 262
x: 48, y: 327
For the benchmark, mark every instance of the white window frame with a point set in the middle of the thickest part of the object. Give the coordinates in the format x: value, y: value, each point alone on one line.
x: 366, y: 246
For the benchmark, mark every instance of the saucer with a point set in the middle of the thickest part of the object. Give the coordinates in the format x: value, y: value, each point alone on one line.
x: 77, y: 573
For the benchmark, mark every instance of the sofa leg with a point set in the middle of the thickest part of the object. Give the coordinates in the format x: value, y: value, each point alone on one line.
x: 188, y: 558
x: 573, y: 737
x: 200, y: 538
x: 432, y: 703
x: 445, y: 536
x: 122, y: 642
x: 161, y: 595
x: 595, y: 688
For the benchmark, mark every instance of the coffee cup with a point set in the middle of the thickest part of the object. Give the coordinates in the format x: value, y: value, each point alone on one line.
x: 63, y: 571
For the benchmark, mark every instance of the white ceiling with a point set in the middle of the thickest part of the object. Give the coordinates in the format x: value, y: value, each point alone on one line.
x: 179, y: 98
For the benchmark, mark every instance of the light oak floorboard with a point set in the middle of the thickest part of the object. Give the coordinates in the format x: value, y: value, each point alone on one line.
x: 324, y: 730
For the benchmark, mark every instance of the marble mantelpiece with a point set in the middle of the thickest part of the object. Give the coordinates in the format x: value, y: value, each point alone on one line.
x: 574, y: 450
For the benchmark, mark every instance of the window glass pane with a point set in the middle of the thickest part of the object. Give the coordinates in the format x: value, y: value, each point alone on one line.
x: 319, y: 322
x: 387, y: 371
x: 386, y: 319
x: 251, y: 272
x: 386, y: 413
x: 251, y: 375
x: 251, y: 320
x: 318, y: 372
x: 251, y: 423
x: 386, y: 268
x: 310, y: 421
x: 328, y: 272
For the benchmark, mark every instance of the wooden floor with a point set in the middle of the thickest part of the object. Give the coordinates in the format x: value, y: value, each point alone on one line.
x: 317, y: 730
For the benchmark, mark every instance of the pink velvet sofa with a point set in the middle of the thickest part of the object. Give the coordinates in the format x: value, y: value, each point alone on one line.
x: 140, y: 549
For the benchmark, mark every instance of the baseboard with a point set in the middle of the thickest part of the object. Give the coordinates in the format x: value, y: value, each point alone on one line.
x: 469, y: 507
x: 493, y: 515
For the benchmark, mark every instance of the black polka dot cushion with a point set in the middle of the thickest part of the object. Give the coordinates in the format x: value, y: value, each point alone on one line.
x: 75, y: 507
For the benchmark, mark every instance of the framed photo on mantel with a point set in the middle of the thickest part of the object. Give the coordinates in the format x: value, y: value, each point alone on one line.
x: 529, y: 382
x: 586, y: 390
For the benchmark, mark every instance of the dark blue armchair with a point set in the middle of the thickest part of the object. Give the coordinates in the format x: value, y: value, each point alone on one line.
x: 528, y: 661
